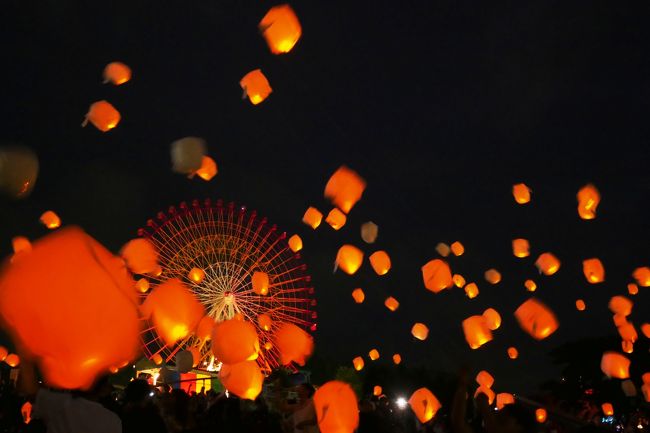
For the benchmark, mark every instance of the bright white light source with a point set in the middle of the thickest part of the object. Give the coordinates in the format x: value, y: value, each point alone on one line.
x: 401, y: 402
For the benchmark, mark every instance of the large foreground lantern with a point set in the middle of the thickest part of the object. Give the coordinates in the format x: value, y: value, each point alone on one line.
x: 345, y: 188
x: 615, y: 365
x: 294, y: 344
x: 536, y: 319
x: 235, y: 341
x: 243, y: 379
x: 281, y: 29
x: 424, y: 405
x: 437, y: 275
x: 140, y: 255
x: 336, y: 407
x: 476, y: 331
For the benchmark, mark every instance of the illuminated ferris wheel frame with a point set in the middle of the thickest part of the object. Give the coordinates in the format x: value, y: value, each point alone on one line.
x: 228, y: 244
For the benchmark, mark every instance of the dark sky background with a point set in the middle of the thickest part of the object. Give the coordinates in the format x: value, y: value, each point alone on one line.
x: 440, y: 105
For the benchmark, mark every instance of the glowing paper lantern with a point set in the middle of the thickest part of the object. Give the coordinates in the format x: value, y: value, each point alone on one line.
x: 521, y: 193
x: 243, y: 379
x: 627, y: 332
x: 380, y: 262
x: 373, y: 354
x: 632, y: 289
x: 513, y: 353
x: 255, y: 86
x: 208, y: 169
x: 157, y: 359
x: 295, y: 243
x: 349, y: 259
x: 420, y: 331
x: 594, y: 270
x: 358, y: 295
x: 443, y: 249
x: 492, y: 319
x: 580, y: 305
x: 187, y: 154
x: 424, y: 405
x: 615, y: 365
x: 645, y: 329
x: 117, y: 73
x: 391, y: 303
x: 436, y: 275
x: 21, y: 244
x: 642, y: 276
x: 50, y: 220
x: 260, y: 283
x: 504, y: 399
x: 520, y: 248
x: 235, y: 341
x: 369, y: 232
x: 336, y: 408
x: 485, y: 379
x: 627, y: 346
x: 140, y: 255
x: 645, y: 388
x: 458, y: 280
x: 492, y: 276
x: 530, y: 285
x: 536, y: 319
x: 547, y: 264
x: 345, y: 188
x: 294, y: 344
x: 620, y: 305
x: 204, y: 328
x: 312, y: 217
x: 457, y: 248
x: 376, y: 391
x: 471, y: 290
x: 142, y: 285
x: 281, y: 29
x: 476, y: 331
x: 358, y: 363
x: 619, y: 320
x: 608, y: 409
x: 18, y: 171
x: 336, y: 219
x: 645, y: 377
x: 174, y: 310
x: 3, y: 353
x: 103, y: 116
x: 264, y: 321
x: 397, y: 359
x: 196, y: 356
x: 540, y: 415
x: 487, y: 392
x: 12, y: 360
x: 196, y: 275
x: 588, y: 199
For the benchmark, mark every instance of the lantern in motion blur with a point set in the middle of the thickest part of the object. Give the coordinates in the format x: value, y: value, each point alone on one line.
x: 140, y: 255
x: 457, y: 248
x: 521, y: 193
x: 391, y: 303
x: 632, y: 289
x: 312, y: 217
x: 645, y: 329
x: 196, y: 275
x: 376, y: 391
x: 492, y: 276
x: 187, y: 154
x: 580, y: 305
x: 615, y: 365
x: 260, y: 283
x: 608, y: 409
x: 642, y: 276
x: 294, y: 344
x: 620, y: 305
x: 536, y: 319
x: 264, y: 321
x: 476, y: 331
x: 336, y: 219
x: 117, y: 73
x: 443, y: 249
x: 503, y: 399
x: 397, y: 359
x: 458, y: 280
x: 424, y: 404
x: 243, y: 379
x: 12, y: 360
x: 369, y: 232
x: 142, y: 285
x: 530, y: 285
x: 485, y: 391
x: 358, y: 363
x: 492, y: 319
x: 485, y: 379
x: 471, y: 290
x: 420, y: 331
x: 373, y: 354
x: 349, y: 259
x: 513, y: 353
x: 281, y: 29
x: 50, y: 220
x: 204, y: 328
x: 380, y: 262
x: 594, y: 270
x: 540, y: 415
x: 588, y: 199
x: 436, y: 275
x: 345, y: 188
x: 295, y: 243
x: 547, y: 264
x: 208, y: 169
x: 103, y: 116
x: 3, y: 353
x: 336, y: 407
x: 255, y: 86
x: 520, y: 248
x: 21, y: 244
x: 358, y: 295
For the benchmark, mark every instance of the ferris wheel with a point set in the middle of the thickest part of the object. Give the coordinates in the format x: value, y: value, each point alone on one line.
x: 229, y: 244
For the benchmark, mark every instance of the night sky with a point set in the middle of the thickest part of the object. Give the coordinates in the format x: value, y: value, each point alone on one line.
x: 440, y: 105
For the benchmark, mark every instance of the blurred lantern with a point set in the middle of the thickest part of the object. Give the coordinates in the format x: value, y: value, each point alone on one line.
x: 376, y: 391
x: 26, y: 412
x: 369, y: 232
x: 628, y: 388
x: 264, y: 321
x: 485, y: 391
x: 102, y: 115
x: 397, y: 359
x: 117, y: 73
x: 424, y: 405
x: 627, y: 332
x: 504, y: 399
x: 645, y: 329
x: 255, y: 86
x: 142, y: 285
x: 12, y: 360
x: 457, y: 248
x: 547, y: 264
x: 588, y: 199
x: 281, y: 29
x: 645, y: 388
x: 18, y: 171
x: 312, y: 217
x: 67, y: 301
x: 443, y: 249
x: 204, y: 328
x: 295, y: 243
x: 615, y: 365
x: 373, y: 354
x: 293, y: 344
x: 521, y: 193
x: 174, y: 310
x: 594, y: 270
x: 157, y: 359
x: 187, y: 154
x: 513, y: 353
x: 471, y: 290
x: 380, y: 262
x: 540, y: 415
x: 260, y: 283
x: 608, y: 409
x: 358, y: 295
x: 391, y: 303
x: 436, y: 275
x: 619, y: 320
x: 645, y: 378
x: 50, y: 220
x: 642, y: 276
x: 520, y: 248
x: 358, y: 363
x: 580, y: 305
x: 336, y: 219
x: 627, y: 346
x: 196, y: 356
x: 140, y: 255
x: 196, y: 275
x: 21, y: 244
x: 632, y: 289
x: 492, y: 276
x: 336, y: 407
x: 235, y: 341
x: 458, y: 280
x: 485, y: 379
x: 530, y: 285
x: 492, y: 319
x: 476, y: 331
x: 620, y: 305
x: 344, y: 188
x: 536, y: 319
x: 208, y: 169
x: 349, y: 259
x: 243, y: 379
x: 184, y: 361
x: 3, y: 353
x: 420, y: 331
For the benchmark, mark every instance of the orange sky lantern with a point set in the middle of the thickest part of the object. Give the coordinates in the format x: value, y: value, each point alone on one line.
x: 642, y: 276
x: 140, y: 255
x: 540, y: 415
x: 345, y: 188
x: 492, y: 276
x: 476, y: 331
x: 369, y: 232
x: 391, y: 303
x: 312, y: 217
x: 358, y: 363
x: 620, y: 305
x: 484, y: 378
x: 281, y: 29
x: 632, y: 289
x: 504, y: 399
x: 50, y: 220
x: 377, y: 390
x: 437, y: 275
x: 520, y: 248
x: 196, y: 275
x: 117, y: 73
x: 243, y: 379
x: 424, y: 404
x: 204, y: 328
x: 295, y: 243
x: 235, y: 341
x: 457, y: 248
x: 580, y: 305
x: 380, y: 262
x: 397, y: 359
x: 349, y: 259
x: 264, y: 321
x: 471, y: 290
x: 536, y: 319
x: 615, y: 365
x: 547, y: 264
x: 336, y: 219
x: 530, y: 285
x: 594, y: 270
x: 293, y: 343
x: 588, y: 200
x: 513, y: 353
x: 208, y: 169
x: 103, y: 116
x: 492, y: 319
x: 443, y: 249
x: 373, y: 354
x: 255, y: 86
x: 12, y: 360
x: 260, y: 283
x: 608, y: 409
x: 420, y: 331
x: 337, y: 410
x: 521, y: 193
x: 358, y: 295
x: 458, y: 280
